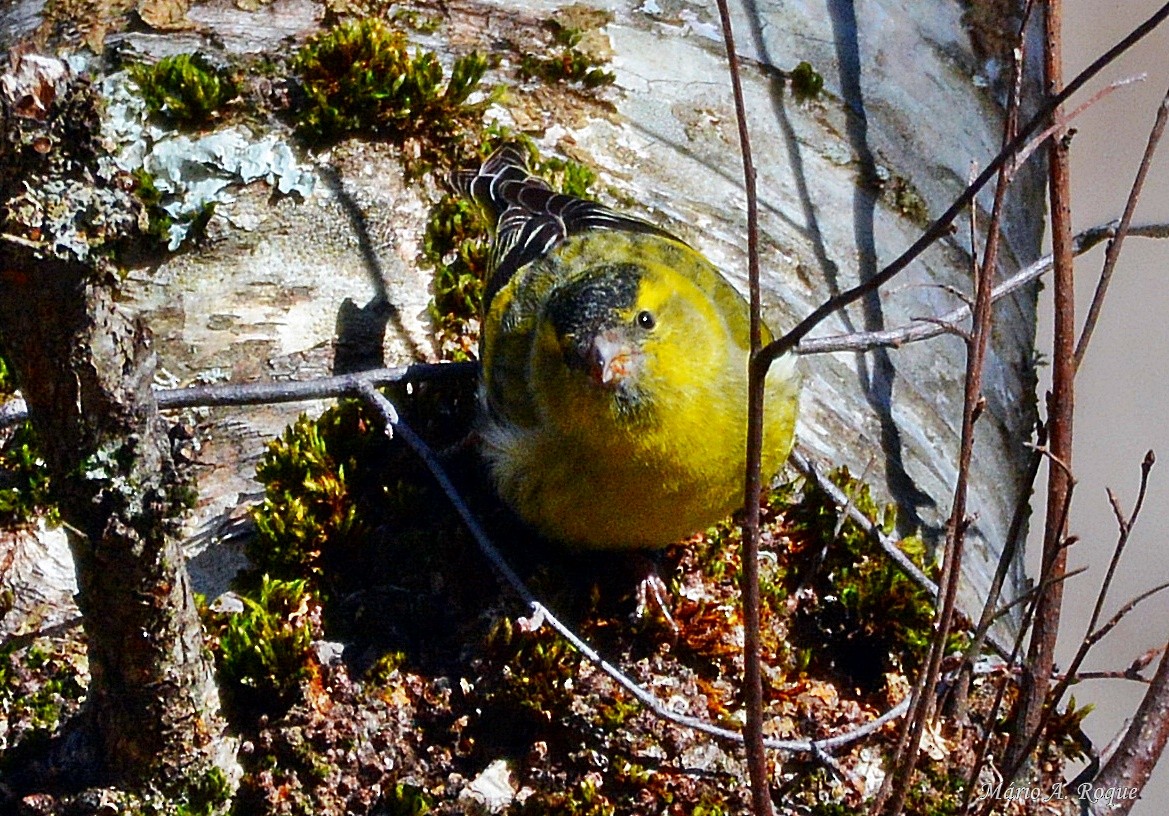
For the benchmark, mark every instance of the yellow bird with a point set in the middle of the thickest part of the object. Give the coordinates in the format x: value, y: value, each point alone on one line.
x: 614, y: 386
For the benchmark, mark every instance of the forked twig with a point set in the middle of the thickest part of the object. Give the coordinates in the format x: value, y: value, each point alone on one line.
x: 1094, y: 634
x: 926, y: 328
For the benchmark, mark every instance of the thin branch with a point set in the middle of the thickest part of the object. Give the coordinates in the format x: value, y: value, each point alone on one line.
x: 1110, y: 675
x: 1131, y: 672
x: 1063, y: 120
x: 1006, y: 560
x: 540, y: 614
x: 992, y: 715
x: 896, y: 786
x: 1093, y: 635
x: 1125, y: 526
x: 268, y: 393
x: 1038, y: 668
x: 1098, y: 634
x: 805, y: 466
x: 752, y: 480
x: 1030, y: 595
x: 263, y: 393
x: 926, y: 328
x: 1112, y: 254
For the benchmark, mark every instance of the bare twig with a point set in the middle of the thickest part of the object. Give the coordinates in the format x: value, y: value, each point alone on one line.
x: 1124, y: 674
x: 991, y: 717
x: 262, y: 393
x: 923, y: 702
x: 1006, y: 559
x: 1130, y: 672
x: 1125, y: 528
x: 1140, y: 747
x: 1063, y: 120
x: 926, y: 328
x: 1030, y: 595
x: 805, y: 466
x: 1112, y: 254
x: 540, y: 614
x: 1037, y: 670
x: 753, y: 479
x: 897, y: 784
x: 1094, y: 634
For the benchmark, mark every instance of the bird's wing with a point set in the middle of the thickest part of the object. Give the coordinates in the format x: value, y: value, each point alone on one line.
x: 530, y: 218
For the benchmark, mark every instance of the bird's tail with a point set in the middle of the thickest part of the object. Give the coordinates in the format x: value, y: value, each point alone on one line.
x: 503, y: 182
x: 528, y: 218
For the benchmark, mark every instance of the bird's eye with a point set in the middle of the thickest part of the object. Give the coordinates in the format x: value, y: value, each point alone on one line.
x: 645, y: 320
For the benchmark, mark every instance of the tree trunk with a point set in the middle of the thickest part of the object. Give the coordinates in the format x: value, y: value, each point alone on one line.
x: 86, y: 369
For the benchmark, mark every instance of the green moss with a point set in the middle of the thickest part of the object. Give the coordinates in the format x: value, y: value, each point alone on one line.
x: 360, y: 78
x: 384, y: 668
x: 308, y: 503
x: 583, y: 799
x: 456, y: 245
x: 42, y: 684
x: 264, y: 653
x: 566, y: 62
x: 24, y: 479
x: 416, y: 20
x: 806, y: 83
x: 905, y: 198
x: 860, y: 616
x: 185, y: 89
x: 565, y: 175
x: 937, y: 791
x: 536, y: 671
x: 405, y: 800
x: 206, y: 794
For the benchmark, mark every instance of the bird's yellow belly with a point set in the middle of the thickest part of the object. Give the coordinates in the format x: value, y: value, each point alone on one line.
x: 574, y: 493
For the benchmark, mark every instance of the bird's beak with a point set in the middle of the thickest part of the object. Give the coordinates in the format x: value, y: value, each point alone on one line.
x: 610, y: 358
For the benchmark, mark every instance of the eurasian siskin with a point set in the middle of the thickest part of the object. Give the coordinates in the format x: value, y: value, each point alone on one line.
x: 614, y: 386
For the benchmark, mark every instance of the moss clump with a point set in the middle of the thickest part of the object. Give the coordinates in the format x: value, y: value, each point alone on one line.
x: 565, y: 175
x: 416, y: 20
x: 406, y: 800
x: 537, y: 670
x: 860, y: 616
x: 207, y: 794
x: 185, y: 89
x: 567, y: 62
x: 583, y: 799
x: 806, y: 82
x: 308, y: 502
x: 905, y: 198
x: 360, y: 77
x: 264, y: 652
x: 456, y: 246
x: 42, y: 684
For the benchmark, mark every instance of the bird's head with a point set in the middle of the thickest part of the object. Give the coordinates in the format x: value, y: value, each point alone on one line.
x: 601, y: 332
